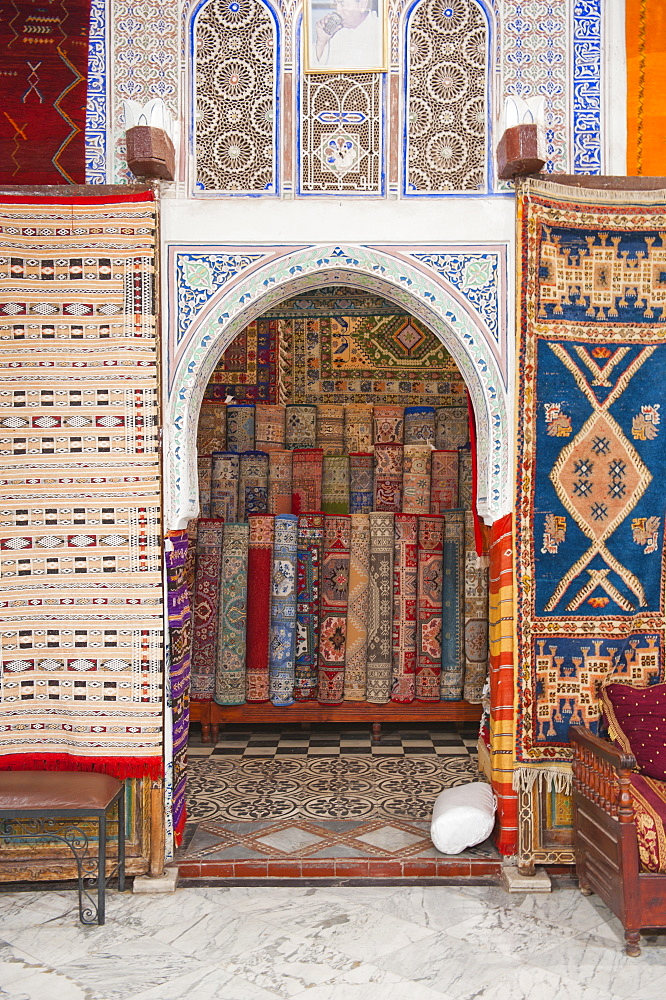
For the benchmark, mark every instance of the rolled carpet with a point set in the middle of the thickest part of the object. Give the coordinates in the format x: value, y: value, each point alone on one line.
x: 334, y: 598
x: 282, y: 645
x: 279, y: 481
x: 308, y: 597
x: 358, y: 427
x: 356, y: 649
x: 230, y: 666
x: 224, y: 485
x: 403, y: 675
x: 252, y: 484
x: 259, y: 571
x: 206, y: 607
x: 335, y: 484
x: 306, y: 476
x: 380, y: 609
x: 240, y: 427
x: 429, y: 608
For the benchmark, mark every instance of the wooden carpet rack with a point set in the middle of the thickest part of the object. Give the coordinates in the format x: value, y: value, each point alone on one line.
x: 213, y: 716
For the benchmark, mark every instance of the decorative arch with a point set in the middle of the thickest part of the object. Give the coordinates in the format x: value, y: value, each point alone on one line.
x: 373, y: 269
x: 447, y: 98
x: 235, y: 48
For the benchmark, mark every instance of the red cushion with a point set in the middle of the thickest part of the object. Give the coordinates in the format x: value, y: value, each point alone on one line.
x: 649, y: 798
x: 637, y: 722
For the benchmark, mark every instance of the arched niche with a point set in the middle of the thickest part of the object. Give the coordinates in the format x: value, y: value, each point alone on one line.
x: 435, y: 303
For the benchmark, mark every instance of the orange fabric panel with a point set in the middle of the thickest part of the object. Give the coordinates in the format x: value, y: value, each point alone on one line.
x: 645, y: 30
x: 501, y: 632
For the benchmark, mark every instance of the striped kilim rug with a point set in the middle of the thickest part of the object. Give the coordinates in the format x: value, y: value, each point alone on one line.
x: 81, y: 677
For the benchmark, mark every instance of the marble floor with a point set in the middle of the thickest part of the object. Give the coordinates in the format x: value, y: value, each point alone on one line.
x: 336, y: 943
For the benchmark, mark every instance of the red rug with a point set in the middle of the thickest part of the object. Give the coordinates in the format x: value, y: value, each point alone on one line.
x: 44, y: 59
x: 259, y: 569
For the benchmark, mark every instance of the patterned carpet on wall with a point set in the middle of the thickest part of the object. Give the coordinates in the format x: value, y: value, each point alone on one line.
x: 591, y: 462
x: 325, y: 793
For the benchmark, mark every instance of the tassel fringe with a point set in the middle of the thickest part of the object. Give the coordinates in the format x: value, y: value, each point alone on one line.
x: 117, y: 767
x: 553, y: 779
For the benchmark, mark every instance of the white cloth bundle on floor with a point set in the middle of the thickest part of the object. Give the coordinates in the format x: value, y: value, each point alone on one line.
x: 462, y: 817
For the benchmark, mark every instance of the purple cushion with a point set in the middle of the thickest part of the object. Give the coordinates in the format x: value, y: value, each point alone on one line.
x: 637, y: 723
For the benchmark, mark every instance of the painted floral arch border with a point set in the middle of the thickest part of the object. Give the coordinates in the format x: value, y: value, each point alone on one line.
x: 438, y: 306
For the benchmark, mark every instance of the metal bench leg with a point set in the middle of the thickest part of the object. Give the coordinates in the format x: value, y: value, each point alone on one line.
x: 121, y: 841
x: 101, y: 868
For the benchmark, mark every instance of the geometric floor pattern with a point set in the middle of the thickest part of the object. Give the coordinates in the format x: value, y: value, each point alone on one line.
x: 323, y: 795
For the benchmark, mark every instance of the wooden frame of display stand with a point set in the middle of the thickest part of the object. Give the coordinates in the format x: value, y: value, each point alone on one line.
x: 212, y: 716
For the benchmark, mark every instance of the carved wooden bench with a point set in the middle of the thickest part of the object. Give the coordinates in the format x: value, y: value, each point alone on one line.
x: 31, y: 803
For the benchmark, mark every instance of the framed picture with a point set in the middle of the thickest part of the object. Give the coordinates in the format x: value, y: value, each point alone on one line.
x: 345, y: 36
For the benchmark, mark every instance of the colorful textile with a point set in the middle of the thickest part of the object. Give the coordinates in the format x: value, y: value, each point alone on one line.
x: 212, y: 428
x: 453, y: 594
x: 389, y: 424
x: 356, y: 650
x: 335, y: 484
x: 637, y: 722
x: 269, y: 427
x: 224, y: 485
x: 306, y: 476
x: 279, y: 482
x: 466, y: 497
x: 645, y: 39
x: 420, y: 425
x: 300, y: 426
x: 334, y: 599
x: 252, y: 484
x: 591, y: 462
x: 230, y: 668
x: 210, y: 533
x: 240, y: 427
x: 358, y: 427
x: 649, y: 800
x: 308, y: 596
x: 501, y: 641
x: 416, y: 479
x: 282, y: 646
x: 361, y: 482
x: 476, y: 616
x: 204, y: 474
x: 180, y: 635
x: 380, y: 609
x: 247, y: 371
x: 403, y: 676
x: 444, y: 486
x: 331, y: 429
x: 429, y: 611
x: 388, y: 477
x: 81, y: 580
x: 259, y: 574
x: 333, y: 356
x: 451, y: 427
x: 44, y: 53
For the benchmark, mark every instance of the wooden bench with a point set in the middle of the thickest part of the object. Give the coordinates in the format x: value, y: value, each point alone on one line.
x: 30, y: 802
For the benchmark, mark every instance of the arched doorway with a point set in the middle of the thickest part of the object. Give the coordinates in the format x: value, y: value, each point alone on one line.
x: 439, y: 307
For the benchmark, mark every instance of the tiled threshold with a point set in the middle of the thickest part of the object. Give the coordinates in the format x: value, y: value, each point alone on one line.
x: 347, y: 868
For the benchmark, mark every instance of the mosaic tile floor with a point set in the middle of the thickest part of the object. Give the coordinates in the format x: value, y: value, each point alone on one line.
x: 323, y: 801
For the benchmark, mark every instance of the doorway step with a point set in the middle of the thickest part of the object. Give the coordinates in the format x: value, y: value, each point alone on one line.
x: 327, y: 803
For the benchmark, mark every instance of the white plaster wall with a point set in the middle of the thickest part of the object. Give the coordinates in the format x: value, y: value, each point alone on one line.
x: 247, y: 220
